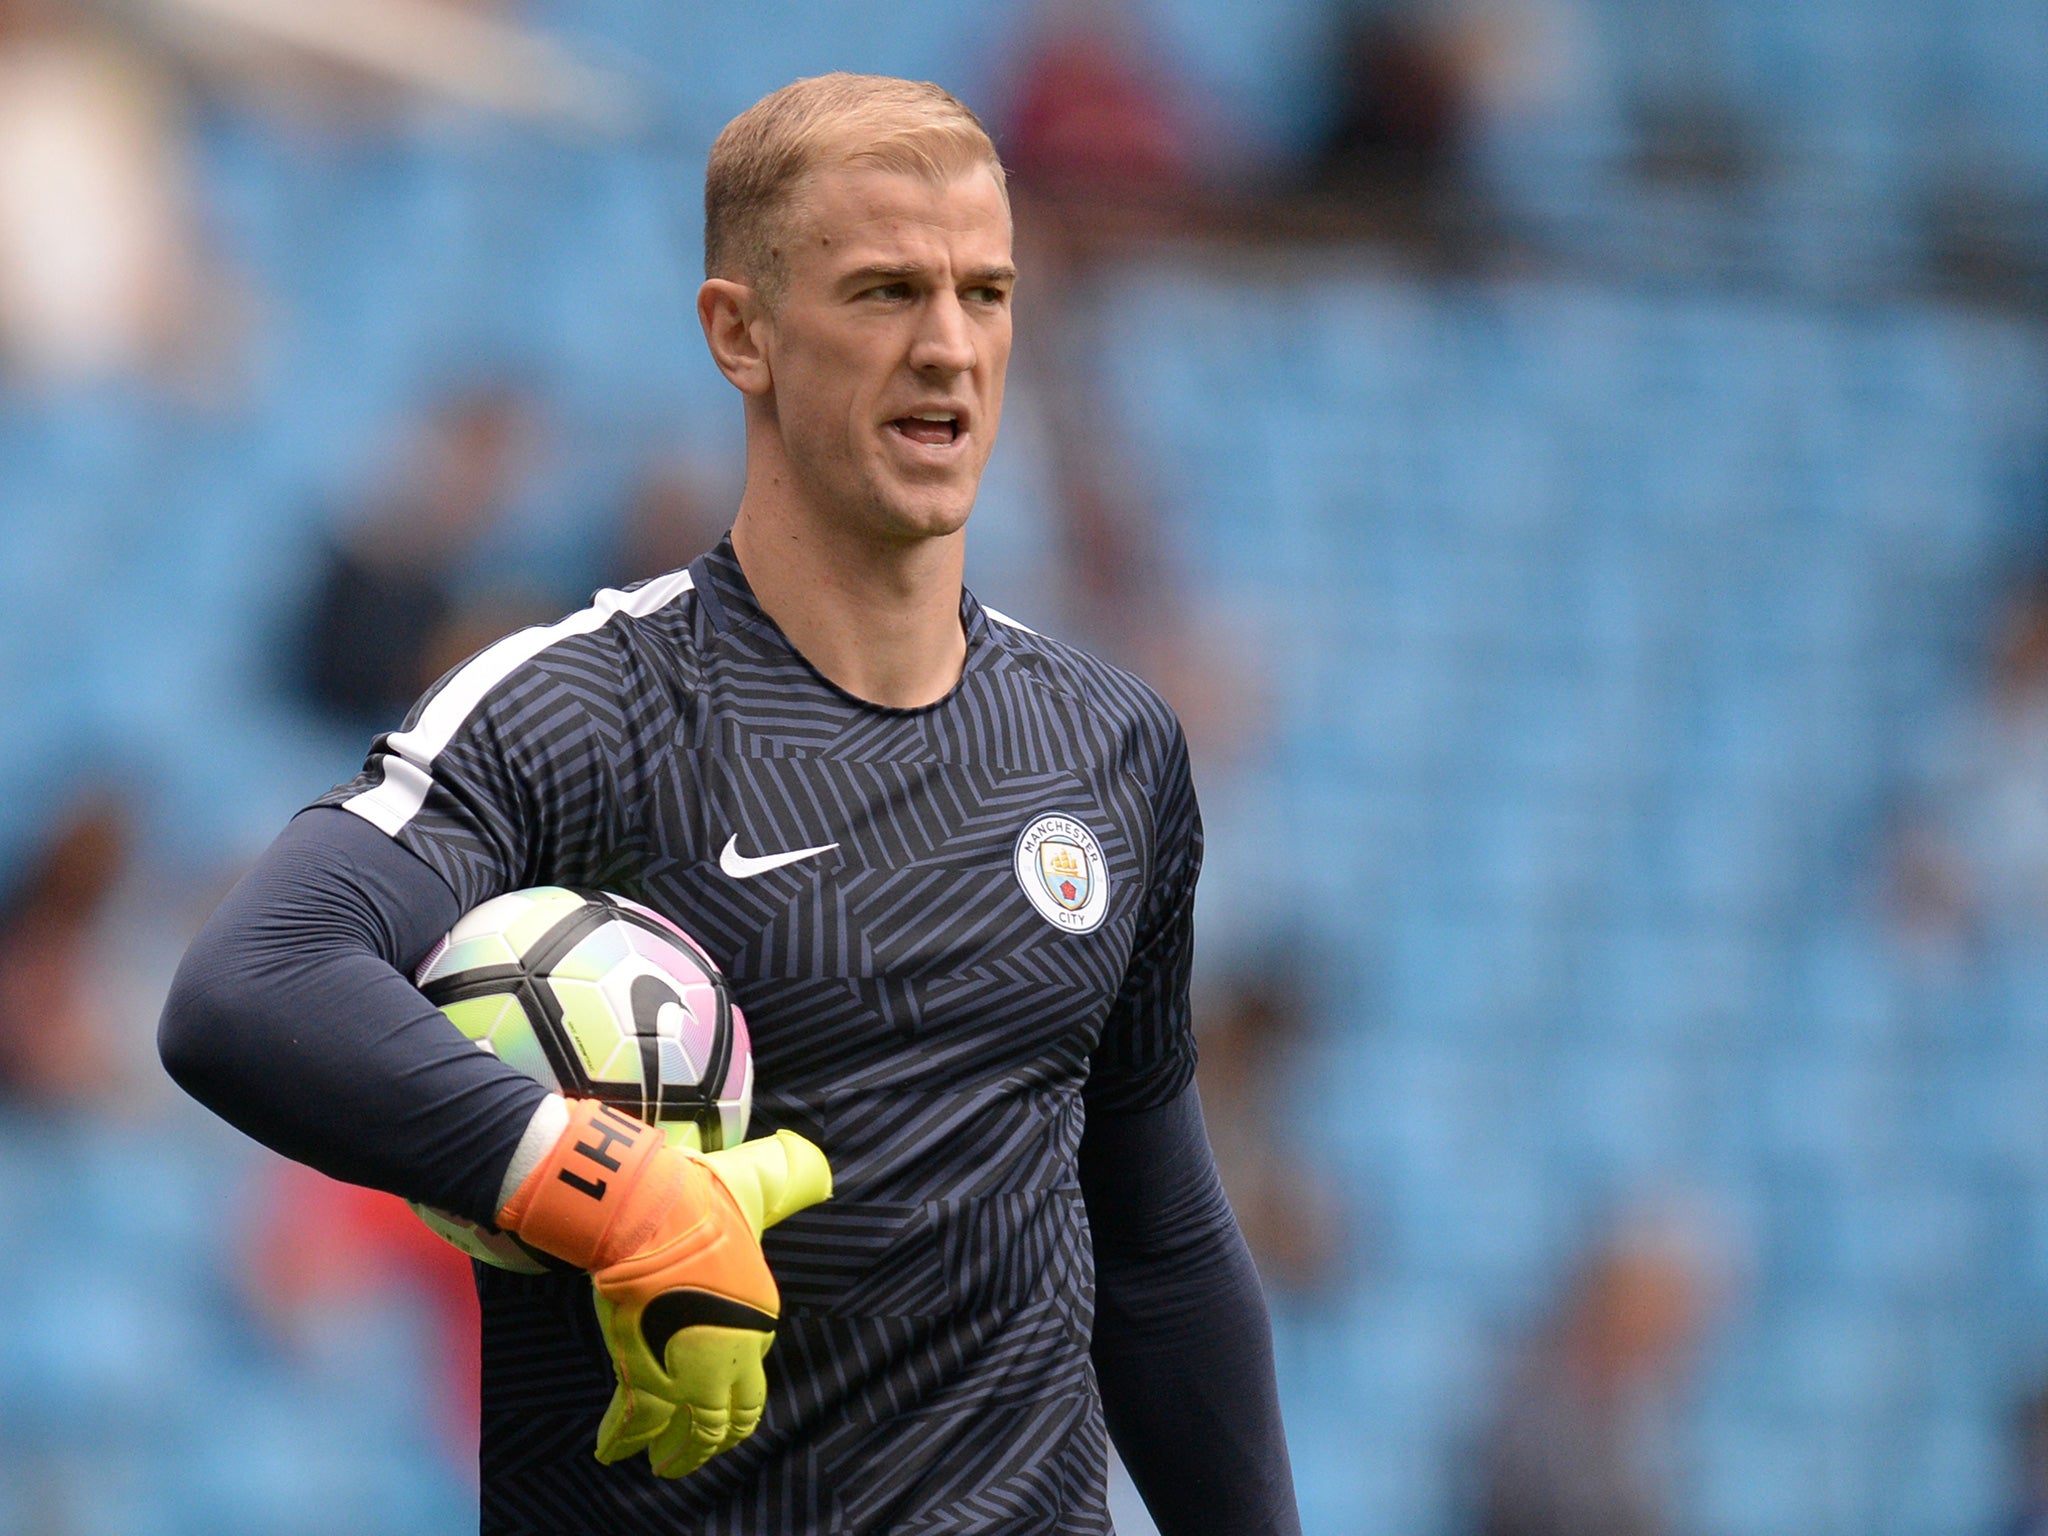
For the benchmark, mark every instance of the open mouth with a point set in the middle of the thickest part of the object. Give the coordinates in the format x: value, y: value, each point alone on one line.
x: 934, y: 429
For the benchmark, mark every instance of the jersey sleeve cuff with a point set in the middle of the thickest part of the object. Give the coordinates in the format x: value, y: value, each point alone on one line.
x: 550, y: 1119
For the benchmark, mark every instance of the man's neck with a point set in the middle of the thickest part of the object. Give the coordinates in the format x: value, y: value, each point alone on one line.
x: 881, y: 622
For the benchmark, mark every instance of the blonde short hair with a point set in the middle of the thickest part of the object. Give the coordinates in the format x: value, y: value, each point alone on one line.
x: 762, y: 156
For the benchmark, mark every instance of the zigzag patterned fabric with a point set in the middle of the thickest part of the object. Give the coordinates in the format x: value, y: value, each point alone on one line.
x: 952, y: 929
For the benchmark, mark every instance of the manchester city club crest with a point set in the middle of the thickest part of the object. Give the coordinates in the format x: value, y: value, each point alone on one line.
x: 1060, y: 867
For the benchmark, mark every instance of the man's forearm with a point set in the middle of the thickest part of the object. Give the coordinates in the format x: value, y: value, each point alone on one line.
x: 1183, y: 1344
x: 292, y: 1018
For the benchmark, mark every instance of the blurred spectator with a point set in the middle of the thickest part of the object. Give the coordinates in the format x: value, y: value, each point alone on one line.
x: 1580, y: 1446
x: 1968, y: 855
x: 1093, y: 113
x: 345, y: 62
x: 320, y: 1247
x: 673, y: 517
x: 1392, y: 163
x: 1123, y: 598
x: 102, y: 269
x: 55, y: 1046
x: 1250, y: 1034
x: 1404, y: 107
x: 388, y: 614
x: 1130, y: 607
x: 1986, y: 237
x: 2030, y: 1448
x: 1118, y: 590
x: 1699, y: 140
x: 1928, y: 890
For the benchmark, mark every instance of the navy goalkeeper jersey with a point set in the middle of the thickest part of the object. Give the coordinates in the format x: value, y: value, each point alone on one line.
x: 951, y: 928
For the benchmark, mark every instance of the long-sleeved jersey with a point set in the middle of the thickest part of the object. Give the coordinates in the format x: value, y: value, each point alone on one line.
x: 958, y: 932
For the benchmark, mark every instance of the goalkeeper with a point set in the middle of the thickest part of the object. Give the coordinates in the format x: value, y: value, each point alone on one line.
x: 948, y: 866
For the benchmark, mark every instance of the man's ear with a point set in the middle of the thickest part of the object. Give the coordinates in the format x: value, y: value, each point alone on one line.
x: 735, y: 322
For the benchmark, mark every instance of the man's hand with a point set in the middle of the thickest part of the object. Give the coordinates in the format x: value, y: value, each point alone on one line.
x: 673, y: 1243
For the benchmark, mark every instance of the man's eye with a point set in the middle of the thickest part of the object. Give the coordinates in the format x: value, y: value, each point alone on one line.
x: 890, y: 291
x: 987, y: 294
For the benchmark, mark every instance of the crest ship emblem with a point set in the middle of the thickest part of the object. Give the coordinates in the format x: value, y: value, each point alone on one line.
x: 1064, y: 868
x: 1061, y: 869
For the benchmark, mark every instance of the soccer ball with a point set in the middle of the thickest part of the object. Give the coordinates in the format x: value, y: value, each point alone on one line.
x: 596, y: 997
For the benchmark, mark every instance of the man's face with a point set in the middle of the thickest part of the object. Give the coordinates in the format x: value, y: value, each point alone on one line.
x: 888, y: 345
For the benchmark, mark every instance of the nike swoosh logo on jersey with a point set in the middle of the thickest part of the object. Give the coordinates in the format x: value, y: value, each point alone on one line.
x: 740, y: 867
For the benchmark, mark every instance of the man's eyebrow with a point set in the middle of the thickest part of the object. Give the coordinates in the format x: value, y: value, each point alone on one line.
x: 880, y: 272
x: 885, y: 272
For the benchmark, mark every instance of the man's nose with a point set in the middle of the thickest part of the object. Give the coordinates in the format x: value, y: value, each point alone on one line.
x: 945, y: 340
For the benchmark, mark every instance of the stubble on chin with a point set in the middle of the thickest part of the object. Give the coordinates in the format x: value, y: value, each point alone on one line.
x: 906, y: 521
x: 851, y: 494
x: 909, y: 512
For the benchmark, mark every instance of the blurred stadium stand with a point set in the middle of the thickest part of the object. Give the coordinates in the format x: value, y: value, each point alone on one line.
x: 1610, y: 592
x: 1606, y: 625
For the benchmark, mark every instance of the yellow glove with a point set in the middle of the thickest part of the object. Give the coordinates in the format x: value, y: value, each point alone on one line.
x: 673, y: 1243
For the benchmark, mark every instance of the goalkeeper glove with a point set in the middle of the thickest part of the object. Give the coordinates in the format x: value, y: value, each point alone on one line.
x: 684, y: 1298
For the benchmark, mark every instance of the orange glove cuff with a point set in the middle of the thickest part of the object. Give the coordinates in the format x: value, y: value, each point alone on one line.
x: 599, y: 1193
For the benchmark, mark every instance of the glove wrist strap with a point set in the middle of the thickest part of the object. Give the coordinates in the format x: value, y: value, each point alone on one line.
x: 572, y: 1202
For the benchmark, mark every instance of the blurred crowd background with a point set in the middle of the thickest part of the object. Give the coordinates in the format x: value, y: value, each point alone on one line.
x: 1580, y: 468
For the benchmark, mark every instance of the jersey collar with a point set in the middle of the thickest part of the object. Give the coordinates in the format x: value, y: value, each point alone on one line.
x: 729, y: 605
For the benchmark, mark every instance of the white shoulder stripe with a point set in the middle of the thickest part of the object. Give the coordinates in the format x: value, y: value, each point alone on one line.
x: 1004, y: 618
x: 409, y: 755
